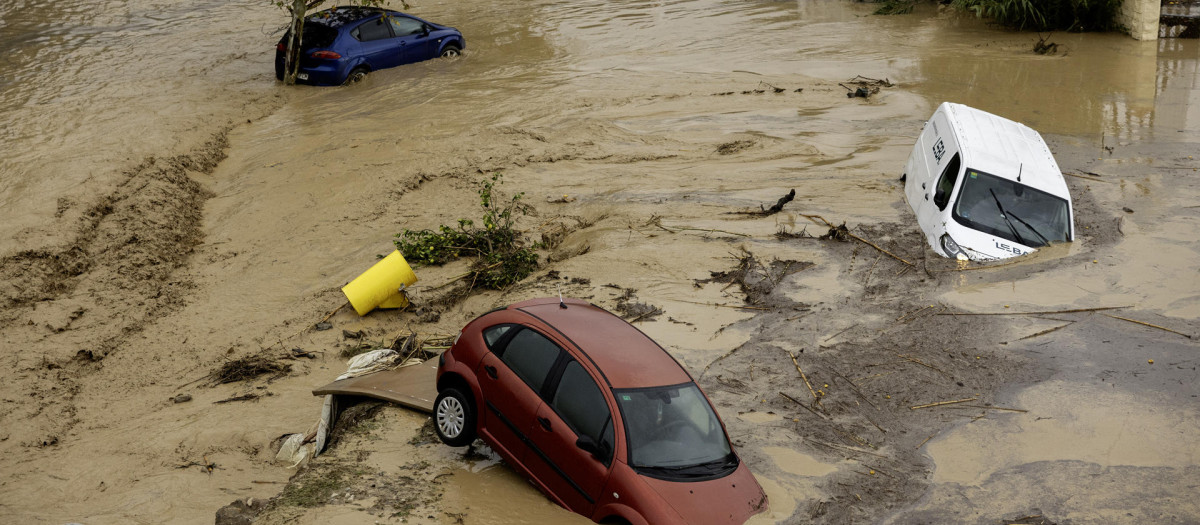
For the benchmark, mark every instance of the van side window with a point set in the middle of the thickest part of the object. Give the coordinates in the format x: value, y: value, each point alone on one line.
x: 946, y: 183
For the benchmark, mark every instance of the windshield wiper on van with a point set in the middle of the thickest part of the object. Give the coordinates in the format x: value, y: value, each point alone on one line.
x: 1045, y: 241
x: 1004, y: 216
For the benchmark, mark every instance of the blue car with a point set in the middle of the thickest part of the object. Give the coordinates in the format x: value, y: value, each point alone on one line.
x: 341, y: 45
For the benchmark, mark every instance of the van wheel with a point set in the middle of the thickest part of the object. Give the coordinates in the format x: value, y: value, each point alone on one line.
x: 454, y: 418
x: 903, y: 177
x: 451, y: 51
x: 356, y: 75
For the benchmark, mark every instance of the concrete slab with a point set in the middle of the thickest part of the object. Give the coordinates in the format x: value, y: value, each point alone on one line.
x: 412, y: 386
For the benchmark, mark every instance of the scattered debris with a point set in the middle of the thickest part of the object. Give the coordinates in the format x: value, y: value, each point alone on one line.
x: 181, y: 398
x: 322, y: 326
x: 634, y: 311
x: 837, y: 233
x: 248, y: 368
x: 864, y: 87
x: 352, y: 335
x: 730, y: 148
x: 300, y: 352
x: 560, y: 200
x: 1042, y: 47
x: 762, y: 87
x: 206, y: 467
x: 755, y: 279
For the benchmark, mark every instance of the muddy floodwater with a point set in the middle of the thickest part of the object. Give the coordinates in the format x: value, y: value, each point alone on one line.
x: 166, y: 207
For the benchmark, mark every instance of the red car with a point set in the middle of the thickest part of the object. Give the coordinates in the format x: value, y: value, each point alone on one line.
x: 597, y: 415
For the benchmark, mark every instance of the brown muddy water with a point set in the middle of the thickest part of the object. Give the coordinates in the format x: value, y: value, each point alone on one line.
x: 165, y: 206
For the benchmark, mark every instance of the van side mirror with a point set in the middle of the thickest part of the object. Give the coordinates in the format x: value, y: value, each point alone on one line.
x: 940, y: 198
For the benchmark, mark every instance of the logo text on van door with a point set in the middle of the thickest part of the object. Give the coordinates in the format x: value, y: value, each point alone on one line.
x: 939, y: 149
x: 1010, y: 249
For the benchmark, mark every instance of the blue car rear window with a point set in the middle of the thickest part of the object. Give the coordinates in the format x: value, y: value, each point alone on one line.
x: 317, y: 35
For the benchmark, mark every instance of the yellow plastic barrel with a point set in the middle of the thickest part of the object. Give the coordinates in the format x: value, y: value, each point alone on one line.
x: 382, y: 285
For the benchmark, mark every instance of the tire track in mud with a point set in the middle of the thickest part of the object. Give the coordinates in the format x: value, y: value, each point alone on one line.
x: 77, y: 303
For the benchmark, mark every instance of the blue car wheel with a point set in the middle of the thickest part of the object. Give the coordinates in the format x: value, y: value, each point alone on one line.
x: 451, y: 51
x: 356, y: 75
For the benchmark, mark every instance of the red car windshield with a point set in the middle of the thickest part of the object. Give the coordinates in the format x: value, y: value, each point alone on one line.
x: 675, y: 429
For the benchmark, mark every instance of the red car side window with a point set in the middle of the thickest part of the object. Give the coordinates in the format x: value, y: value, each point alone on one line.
x: 581, y: 404
x: 531, y: 356
x: 493, y: 334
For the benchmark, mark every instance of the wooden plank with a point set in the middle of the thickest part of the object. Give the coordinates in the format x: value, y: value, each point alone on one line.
x: 412, y: 387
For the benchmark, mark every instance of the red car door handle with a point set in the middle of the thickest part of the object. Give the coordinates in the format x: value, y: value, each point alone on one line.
x: 544, y: 422
x: 491, y: 371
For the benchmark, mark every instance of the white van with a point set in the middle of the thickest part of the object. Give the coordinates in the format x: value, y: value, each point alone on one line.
x: 984, y: 187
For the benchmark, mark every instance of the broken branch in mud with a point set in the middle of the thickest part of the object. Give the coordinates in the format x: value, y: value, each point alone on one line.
x: 330, y: 314
x: 1021, y: 410
x: 854, y: 387
x: 1148, y: 324
x: 816, y: 399
x: 943, y: 403
x: 842, y: 331
x: 655, y: 220
x: 715, y: 361
x: 760, y: 308
x: 846, y: 232
x: 243, y: 397
x: 1071, y: 311
x: 775, y: 208
x: 1047, y: 331
x: 855, y: 438
x: 802, y: 405
x: 922, y: 363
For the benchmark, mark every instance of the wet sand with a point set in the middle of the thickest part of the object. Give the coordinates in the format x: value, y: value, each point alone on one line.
x: 161, y: 223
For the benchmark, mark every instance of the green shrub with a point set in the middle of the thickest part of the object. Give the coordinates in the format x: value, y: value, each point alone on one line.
x: 1048, y: 15
x: 502, y: 257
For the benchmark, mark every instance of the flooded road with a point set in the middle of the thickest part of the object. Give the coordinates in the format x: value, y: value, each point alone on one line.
x: 166, y: 206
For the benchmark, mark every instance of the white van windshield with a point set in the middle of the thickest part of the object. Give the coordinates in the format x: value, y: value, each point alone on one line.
x: 1011, y: 210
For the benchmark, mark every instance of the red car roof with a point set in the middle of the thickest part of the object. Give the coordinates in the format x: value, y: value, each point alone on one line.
x: 625, y: 356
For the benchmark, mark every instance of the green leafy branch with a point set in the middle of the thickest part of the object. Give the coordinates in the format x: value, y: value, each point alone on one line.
x: 502, y: 255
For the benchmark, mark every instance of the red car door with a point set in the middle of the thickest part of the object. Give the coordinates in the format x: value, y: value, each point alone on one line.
x: 575, y: 407
x: 511, y: 380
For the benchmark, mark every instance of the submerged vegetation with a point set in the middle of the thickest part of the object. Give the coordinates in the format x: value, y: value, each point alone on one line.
x: 502, y: 256
x: 1030, y: 15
